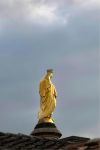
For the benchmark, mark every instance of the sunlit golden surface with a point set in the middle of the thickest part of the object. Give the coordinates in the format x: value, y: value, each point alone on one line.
x: 48, y: 95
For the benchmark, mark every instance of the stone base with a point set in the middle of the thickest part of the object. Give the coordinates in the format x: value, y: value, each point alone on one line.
x: 47, y: 130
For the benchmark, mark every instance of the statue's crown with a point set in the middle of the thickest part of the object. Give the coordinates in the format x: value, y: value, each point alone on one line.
x: 50, y: 70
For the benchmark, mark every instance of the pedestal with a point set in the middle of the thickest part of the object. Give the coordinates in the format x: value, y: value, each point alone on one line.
x: 47, y: 130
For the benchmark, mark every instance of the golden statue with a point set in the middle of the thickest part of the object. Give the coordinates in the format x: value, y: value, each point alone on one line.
x: 48, y: 96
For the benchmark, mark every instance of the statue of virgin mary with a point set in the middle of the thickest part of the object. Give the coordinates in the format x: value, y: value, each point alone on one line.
x: 48, y: 96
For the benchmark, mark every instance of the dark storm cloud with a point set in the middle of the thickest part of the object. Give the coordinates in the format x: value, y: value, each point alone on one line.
x: 64, y: 37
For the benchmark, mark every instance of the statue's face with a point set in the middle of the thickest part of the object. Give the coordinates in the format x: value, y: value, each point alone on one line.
x: 51, y: 75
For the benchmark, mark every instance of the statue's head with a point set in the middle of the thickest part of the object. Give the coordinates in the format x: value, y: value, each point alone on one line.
x: 50, y: 72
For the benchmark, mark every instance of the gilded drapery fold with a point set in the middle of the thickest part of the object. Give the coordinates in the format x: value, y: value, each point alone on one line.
x: 48, y: 95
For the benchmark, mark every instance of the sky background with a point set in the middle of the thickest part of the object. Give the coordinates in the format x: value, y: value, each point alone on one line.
x: 39, y: 34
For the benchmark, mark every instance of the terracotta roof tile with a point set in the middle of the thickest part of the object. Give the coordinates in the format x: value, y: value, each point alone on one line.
x: 9, y: 141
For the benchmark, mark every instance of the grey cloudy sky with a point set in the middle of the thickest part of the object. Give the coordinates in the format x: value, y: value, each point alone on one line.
x: 59, y: 34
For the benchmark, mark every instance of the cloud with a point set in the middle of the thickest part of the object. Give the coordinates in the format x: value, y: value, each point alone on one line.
x: 41, y: 11
x: 29, y: 11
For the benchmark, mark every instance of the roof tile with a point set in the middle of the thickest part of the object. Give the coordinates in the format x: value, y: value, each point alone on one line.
x: 10, y: 141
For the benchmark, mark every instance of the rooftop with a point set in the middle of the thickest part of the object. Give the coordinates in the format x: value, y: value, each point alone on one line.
x: 9, y: 141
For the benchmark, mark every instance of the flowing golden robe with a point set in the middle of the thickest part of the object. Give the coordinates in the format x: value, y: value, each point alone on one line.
x: 48, y: 95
